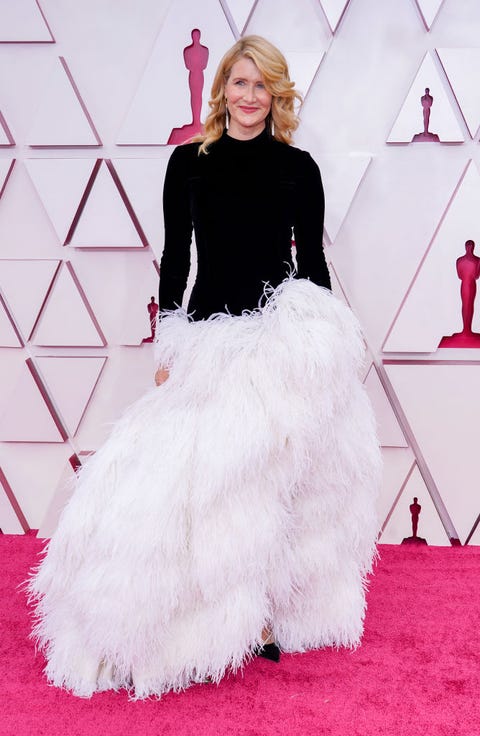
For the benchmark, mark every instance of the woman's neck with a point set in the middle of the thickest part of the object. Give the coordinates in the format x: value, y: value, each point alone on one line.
x: 245, y: 134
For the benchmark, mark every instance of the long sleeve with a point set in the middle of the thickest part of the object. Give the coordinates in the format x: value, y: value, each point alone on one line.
x: 308, y: 227
x: 175, y: 262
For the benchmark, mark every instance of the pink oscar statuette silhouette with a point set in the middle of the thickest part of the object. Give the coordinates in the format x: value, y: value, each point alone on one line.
x: 152, y: 309
x: 427, y: 102
x: 415, y: 510
x: 468, y: 271
x: 195, y: 57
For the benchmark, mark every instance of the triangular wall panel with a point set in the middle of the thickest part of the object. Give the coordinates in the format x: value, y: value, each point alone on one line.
x: 334, y: 10
x: 299, y: 29
x: 25, y: 230
x: 6, y: 168
x: 62, y: 119
x: 25, y: 415
x: 25, y: 285
x: 240, y: 11
x: 429, y: 10
x: 383, y: 239
x: 127, y: 376
x: 342, y: 176
x: 337, y: 286
x: 432, y: 306
x: 33, y: 471
x: 475, y: 537
x: 12, y: 520
x: 442, y: 405
x: 67, y: 318
x: 70, y: 382
x: 107, y: 219
x: 409, y: 121
x: 397, y: 466
x: 6, y: 138
x: 147, y: 122
x: 22, y: 21
x: 303, y: 66
x: 143, y: 182
x: 122, y: 308
x: 390, y: 433
x: 11, y: 365
x: 9, y: 523
x: 462, y: 67
x: 399, y: 525
x: 9, y: 337
x: 61, y: 184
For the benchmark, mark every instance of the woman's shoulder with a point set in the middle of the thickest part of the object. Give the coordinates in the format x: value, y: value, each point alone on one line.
x: 182, y: 159
x: 185, y: 151
x: 296, y: 157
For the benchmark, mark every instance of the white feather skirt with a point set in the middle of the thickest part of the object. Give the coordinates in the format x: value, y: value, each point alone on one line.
x: 238, y: 495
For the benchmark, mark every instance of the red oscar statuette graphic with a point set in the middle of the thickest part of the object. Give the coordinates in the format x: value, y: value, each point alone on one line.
x: 468, y: 271
x: 152, y: 308
x: 195, y: 57
x: 415, y: 509
x: 427, y: 102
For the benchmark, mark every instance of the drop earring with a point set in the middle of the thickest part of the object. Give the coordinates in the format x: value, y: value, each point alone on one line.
x: 269, y: 124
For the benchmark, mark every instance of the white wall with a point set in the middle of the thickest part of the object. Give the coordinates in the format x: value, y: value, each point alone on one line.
x: 105, y: 80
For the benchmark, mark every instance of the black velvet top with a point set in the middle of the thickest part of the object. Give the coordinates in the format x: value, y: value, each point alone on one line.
x: 242, y: 199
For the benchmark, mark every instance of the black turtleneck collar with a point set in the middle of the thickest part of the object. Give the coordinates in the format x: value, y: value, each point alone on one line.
x: 262, y: 137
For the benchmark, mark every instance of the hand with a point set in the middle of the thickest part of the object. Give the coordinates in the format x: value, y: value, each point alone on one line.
x: 161, y: 376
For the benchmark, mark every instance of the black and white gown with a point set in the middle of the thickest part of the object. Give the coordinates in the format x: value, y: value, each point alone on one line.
x: 240, y: 494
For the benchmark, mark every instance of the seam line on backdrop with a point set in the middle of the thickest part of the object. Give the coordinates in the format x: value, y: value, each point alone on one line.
x: 7, y: 488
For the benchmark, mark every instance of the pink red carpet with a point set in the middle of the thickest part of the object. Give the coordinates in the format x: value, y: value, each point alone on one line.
x: 416, y: 674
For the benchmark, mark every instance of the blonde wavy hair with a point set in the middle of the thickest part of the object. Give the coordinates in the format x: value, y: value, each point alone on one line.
x: 271, y: 63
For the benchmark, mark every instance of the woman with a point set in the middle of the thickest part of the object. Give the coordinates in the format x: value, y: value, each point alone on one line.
x: 244, y: 188
x: 245, y: 514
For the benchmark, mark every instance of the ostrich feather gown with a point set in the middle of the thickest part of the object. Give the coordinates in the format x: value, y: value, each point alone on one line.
x: 237, y: 495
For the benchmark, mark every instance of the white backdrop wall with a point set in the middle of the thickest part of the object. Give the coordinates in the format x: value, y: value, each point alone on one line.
x: 89, y: 93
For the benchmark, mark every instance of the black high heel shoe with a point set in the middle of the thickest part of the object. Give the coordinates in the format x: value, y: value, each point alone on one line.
x: 268, y: 651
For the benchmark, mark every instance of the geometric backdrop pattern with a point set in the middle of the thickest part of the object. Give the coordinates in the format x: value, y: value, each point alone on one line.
x: 88, y: 101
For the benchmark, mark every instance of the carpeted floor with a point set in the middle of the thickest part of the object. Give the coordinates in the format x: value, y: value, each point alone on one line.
x: 417, y: 672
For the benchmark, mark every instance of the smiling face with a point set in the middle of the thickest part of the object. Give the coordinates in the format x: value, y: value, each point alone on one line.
x: 248, y: 102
